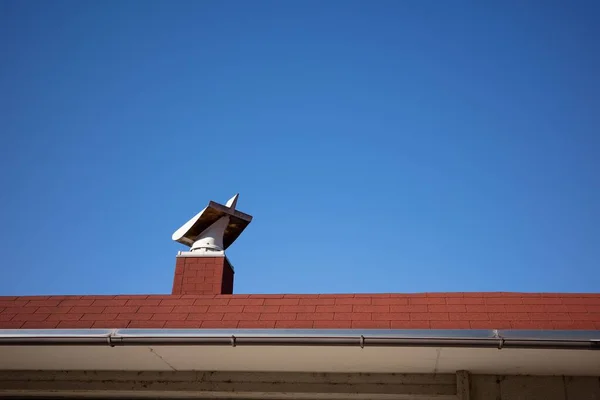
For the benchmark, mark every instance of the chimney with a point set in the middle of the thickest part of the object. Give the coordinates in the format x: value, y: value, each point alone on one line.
x: 203, y: 275
x: 205, y: 269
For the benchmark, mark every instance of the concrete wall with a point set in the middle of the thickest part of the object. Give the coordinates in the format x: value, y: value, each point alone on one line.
x: 268, y: 385
x: 514, y: 387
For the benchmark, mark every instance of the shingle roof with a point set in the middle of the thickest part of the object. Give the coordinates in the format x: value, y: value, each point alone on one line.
x: 498, y: 310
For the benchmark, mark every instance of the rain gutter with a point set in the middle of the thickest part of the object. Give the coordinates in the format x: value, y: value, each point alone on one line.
x: 572, y: 340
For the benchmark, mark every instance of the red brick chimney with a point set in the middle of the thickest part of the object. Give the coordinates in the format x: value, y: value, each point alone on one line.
x: 203, y: 275
x: 205, y: 269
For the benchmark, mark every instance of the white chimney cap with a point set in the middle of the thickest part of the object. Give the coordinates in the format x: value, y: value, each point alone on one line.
x: 226, y: 222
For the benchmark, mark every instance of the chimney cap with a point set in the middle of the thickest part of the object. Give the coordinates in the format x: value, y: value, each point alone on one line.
x: 238, y: 221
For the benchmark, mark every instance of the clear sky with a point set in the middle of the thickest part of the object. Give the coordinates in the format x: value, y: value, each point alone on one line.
x: 381, y: 146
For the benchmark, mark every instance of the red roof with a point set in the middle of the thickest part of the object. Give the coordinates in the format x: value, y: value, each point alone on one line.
x: 382, y: 311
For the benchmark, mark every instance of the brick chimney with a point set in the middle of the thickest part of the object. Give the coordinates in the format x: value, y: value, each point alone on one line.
x: 203, y: 275
x: 205, y: 269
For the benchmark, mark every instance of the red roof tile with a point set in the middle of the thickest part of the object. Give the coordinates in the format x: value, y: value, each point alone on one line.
x: 381, y: 311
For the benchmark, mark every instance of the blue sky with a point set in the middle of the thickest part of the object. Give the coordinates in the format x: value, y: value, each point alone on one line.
x: 387, y: 146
